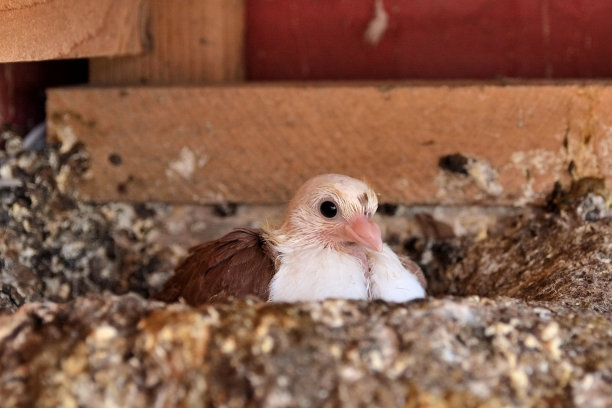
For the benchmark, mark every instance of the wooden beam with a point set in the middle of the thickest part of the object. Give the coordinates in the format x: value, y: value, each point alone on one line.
x: 257, y: 143
x: 194, y: 41
x: 34, y: 30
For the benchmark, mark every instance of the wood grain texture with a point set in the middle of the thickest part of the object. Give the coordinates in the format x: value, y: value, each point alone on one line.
x: 257, y: 143
x: 193, y: 41
x: 33, y: 30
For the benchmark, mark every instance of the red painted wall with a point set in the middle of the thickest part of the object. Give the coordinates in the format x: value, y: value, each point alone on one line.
x: 429, y: 39
x: 23, y: 84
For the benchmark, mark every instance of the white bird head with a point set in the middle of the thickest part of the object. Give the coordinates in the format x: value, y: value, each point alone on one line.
x: 335, y: 211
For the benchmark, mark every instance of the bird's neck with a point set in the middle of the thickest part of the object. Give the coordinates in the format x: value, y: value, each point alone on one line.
x: 287, y: 236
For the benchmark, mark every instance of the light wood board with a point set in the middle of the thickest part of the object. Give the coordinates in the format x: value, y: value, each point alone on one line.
x: 193, y: 41
x: 33, y: 30
x: 257, y: 143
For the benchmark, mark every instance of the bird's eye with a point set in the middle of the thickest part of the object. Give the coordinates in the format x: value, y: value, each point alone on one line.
x: 328, y: 209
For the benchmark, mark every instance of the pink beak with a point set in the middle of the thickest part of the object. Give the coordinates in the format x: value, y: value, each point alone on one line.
x: 364, y: 231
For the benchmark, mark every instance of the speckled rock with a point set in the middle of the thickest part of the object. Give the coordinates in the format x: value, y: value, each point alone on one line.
x: 54, y: 246
x: 126, y: 351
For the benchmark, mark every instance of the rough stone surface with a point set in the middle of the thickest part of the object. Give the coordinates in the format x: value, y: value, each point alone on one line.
x: 126, y: 351
x: 54, y: 246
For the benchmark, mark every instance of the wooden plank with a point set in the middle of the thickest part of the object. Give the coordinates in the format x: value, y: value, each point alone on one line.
x: 257, y: 143
x: 194, y: 41
x: 305, y: 39
x: 34, y: 30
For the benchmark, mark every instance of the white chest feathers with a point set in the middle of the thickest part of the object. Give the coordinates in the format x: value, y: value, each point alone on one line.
x: 311, y: 274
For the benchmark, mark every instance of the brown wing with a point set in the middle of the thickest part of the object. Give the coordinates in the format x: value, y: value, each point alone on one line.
x: 238, y: 264
x: 415, y: 269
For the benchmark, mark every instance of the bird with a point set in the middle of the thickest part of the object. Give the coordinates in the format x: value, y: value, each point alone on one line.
x: 328, y: 246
